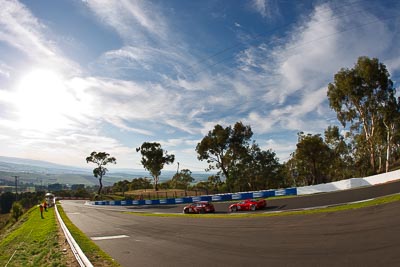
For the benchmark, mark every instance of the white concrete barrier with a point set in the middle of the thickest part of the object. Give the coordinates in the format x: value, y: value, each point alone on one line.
x: 383, y: 178
x: 76, y: 250
x: 349, y: 183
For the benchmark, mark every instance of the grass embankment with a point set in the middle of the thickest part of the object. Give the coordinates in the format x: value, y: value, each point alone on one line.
x: 32, y: 241
x: 364, y: 204
x: 96, y: 256
x: 4, y: 218
x: 36, y: 242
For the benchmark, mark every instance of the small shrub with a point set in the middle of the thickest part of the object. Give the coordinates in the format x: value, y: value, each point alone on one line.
x: 16, y: 210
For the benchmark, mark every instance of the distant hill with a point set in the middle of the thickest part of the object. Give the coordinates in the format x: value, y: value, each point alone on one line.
x: 21, y: 163
x: 43, y: 173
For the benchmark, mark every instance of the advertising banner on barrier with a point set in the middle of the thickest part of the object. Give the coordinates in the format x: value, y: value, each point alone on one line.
x: 196, y: 199
x: 246, y: 195
x: 178, y: 200
x: 258, y: 194
x: 291, y: 191
x: 220, y: 197
x: 236, y: 196
x: 328, y: 187
x: 187, y: 200
x: 205, y: 198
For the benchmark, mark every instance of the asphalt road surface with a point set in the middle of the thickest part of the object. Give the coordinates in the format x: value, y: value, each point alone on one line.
x: 363, y: 237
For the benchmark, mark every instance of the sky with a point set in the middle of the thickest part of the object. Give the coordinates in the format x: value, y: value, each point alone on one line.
x: 80, y: 76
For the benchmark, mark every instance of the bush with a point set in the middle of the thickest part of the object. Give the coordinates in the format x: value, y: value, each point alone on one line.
x: 6, y: 201
x: 16, y: 210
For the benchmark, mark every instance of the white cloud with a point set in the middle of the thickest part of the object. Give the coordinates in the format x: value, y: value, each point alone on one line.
x: 313, y: 52
x: 261, y: 7
x: 295, y: 75
x: 277, y: 86
x: 21, y: 30
x: 5, y: 70
x: 131, y: 19
x: 146, y: 60
x: 283, y: 148
x: 266, y: 8
x: 119, y: 123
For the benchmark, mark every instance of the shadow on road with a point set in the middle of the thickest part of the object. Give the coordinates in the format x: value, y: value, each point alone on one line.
x: 153, y: 207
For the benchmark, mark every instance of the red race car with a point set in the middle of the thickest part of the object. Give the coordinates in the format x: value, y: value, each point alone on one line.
x: 248, y: 204
x: 199, y: 207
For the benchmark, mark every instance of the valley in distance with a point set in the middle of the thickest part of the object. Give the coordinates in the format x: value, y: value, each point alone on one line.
x: 37, y: 172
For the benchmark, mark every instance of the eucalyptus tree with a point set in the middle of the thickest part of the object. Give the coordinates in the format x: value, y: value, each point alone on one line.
x: 214, y: 182
x: 266, y: 169
x: 182, y: 179
x: 341, y: 161
x: 121, y: 186
x: 101, y: 159
x: 391, y: 122
x: 360, y: 155
x: 259, y: 169
x: 140, y: 183
x: 223, y: 148
x: 312, y: 158
x: 359, y: 96
x: 243, y: 163
x: 153, y: 159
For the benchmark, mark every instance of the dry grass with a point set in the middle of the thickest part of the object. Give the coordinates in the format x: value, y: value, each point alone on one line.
x: 3, y: 220
x: 160, y: 194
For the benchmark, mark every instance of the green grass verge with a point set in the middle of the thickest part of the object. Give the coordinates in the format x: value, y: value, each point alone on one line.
x: 32, y: 241
x: 364, y: 204
x: 96, y: 256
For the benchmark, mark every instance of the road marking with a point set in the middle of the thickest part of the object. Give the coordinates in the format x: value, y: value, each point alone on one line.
x: 73, y: 213
x: 108, y: 237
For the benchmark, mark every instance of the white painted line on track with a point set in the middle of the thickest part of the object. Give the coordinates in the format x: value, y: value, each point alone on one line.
x: 108, y: 237
x: 361, y: 201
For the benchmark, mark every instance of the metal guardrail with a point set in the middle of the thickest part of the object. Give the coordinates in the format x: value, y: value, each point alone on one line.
x: 76, y: 250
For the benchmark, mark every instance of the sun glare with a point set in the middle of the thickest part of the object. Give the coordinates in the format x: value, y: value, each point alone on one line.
x: 43, y: 101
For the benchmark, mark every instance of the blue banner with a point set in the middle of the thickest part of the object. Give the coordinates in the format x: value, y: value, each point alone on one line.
x: 215, y: 198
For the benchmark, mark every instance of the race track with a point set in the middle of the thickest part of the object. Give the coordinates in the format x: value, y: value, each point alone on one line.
x: 363, y: 237
x: 300, y: 202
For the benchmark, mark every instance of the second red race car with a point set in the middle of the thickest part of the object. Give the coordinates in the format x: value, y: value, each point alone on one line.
x: 248, y: 204
x: 199, y: 207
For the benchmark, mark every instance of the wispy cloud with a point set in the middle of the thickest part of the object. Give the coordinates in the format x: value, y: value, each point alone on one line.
x: 296, y: 74
x: 274, y: 88
x: 53, y: 132
x: 133, y: 20
x: 266, y: 8
x: 20, y: 29
x: 153, y: 85
x: 5, y: 70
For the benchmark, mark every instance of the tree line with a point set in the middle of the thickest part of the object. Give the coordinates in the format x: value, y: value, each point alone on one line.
x: 367, y: 108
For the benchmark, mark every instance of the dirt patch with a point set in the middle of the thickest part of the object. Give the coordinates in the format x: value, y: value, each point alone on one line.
x: 68, y: 256
x: 3, y: 220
